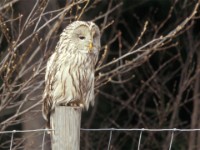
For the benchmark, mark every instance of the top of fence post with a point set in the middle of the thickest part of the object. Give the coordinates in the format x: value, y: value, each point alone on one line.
x: 66, y: 134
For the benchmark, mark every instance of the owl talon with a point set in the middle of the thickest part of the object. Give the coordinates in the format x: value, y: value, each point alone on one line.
x: 81, y: 105
x: 76, y: 104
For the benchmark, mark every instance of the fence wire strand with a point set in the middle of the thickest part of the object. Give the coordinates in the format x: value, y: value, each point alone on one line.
x: 43, y: 139
x: 171, y: 140
x: 139, y: 141
x: 106, y: 129
x: 142, y: 130
x: 110, y: 139
x: 11, y: 141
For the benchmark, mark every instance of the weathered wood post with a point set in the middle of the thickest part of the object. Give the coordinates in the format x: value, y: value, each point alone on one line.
x: 67, y: 122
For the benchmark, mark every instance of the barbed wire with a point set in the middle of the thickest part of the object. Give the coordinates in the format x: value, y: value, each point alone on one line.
x: 173, y: 130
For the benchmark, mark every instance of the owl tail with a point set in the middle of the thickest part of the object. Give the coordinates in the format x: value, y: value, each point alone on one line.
x: 49, y: 119
x: 50, y: 124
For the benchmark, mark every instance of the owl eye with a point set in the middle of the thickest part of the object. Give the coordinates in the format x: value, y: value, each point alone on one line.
x: 81, y: 37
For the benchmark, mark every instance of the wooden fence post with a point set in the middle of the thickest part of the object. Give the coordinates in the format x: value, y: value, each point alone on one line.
x: 67, y: 122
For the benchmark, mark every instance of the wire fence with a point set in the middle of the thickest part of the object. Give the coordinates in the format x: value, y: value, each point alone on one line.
x: 142, y: 130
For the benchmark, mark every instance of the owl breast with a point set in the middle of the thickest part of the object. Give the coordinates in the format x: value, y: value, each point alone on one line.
x: 75, y: 80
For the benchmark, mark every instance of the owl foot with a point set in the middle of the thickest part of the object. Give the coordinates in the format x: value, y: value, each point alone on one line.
x: 76, y: 103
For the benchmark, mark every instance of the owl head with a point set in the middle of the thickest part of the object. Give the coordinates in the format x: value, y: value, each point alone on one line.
x: 81, y: 37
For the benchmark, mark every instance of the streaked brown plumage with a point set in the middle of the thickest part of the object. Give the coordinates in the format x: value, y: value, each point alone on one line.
x: 69, y: 78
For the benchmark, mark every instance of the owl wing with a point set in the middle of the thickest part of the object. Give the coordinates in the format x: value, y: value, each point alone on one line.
x: 47, y: 96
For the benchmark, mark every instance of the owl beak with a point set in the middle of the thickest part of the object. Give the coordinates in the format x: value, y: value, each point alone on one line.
x: 90, y: 47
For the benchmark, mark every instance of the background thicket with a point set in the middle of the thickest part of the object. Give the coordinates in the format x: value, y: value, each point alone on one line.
x: 148, y: 75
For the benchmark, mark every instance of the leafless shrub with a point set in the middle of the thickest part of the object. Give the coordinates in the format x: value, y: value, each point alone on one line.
x: 147, y: 75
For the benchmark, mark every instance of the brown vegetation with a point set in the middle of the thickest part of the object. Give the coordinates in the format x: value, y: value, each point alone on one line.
x: 147, y: 75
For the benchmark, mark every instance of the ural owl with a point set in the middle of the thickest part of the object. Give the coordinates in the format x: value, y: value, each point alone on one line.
x: 69, y: 78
